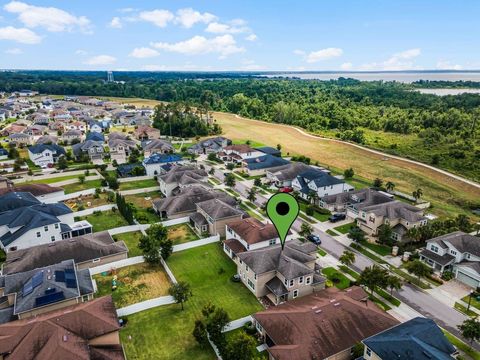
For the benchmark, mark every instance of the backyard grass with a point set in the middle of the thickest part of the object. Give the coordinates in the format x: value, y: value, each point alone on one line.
x: 165, y: 332
x: 336, y: 277
x: 84, y: 201
x: 130, y: 239
x: 138, y: 184
x: 142, y: 206
x: 344, y: 229
x: 181, y: 233
x: 459, y: 344
x: 92, y: 184
x: 52, y: 180
x: 105, y: 220
x: 135, y: 283
x: 446, y: 194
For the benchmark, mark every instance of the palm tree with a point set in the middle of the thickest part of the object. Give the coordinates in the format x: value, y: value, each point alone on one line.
x: 347, y: 258
x: 393, y: 283
x: 252, y: 195
x: 390, y: 186
x: 417, y: 194
x: 305, y: 230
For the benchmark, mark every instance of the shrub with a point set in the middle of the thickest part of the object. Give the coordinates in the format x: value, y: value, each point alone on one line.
x: 310, y: 210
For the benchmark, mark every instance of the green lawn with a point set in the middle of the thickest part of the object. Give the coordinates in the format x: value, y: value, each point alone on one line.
x: 165, y: 332
x: 138, y: 184
x: 459, y: 344
x: 130, y: 239
x: 316, y: 214
x: 306, y: 218
x: 105, y: 220
x: 463, y: 310
x: 253, y: 143
x: 380, y: 249
x: 92, y: 184
x: 214, y: 180
x: 55, y: 179
x: 321, y: 252
x: 331, y: 232
x: 473, y: 302
x: 181, y: 233
x: 345, y: 228
x: 336, y: 277
x: 142, y: 206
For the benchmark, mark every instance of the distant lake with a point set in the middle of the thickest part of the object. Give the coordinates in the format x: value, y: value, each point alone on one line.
x: 443, y: 92
x: 405, y: 77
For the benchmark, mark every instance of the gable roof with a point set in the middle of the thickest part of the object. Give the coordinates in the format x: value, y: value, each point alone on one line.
x: 463, y: 242
x: 14, y: 200
x: 396, y: 209
x: 319, y: 177
x: 321, y: 324
x: 253, y: 231
x: 240, y: 148
x: 40, y: 148
x: 157, y: 144
x: 265, y: 162
x: 217, y: 209
x: 358, y: 198
x: 63, y: 334
x: 34, y: 189
x: 161, y: 159
x: 418, y: 339
x: 95, y: 136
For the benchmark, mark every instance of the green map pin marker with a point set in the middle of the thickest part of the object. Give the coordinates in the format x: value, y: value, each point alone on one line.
x: 282, y: 209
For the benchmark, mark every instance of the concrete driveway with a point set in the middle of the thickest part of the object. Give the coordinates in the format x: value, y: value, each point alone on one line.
x: 450, y: 292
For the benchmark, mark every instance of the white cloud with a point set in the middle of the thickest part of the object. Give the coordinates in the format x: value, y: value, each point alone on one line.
x: 101, y: 60
x: 324, y: 54
x: 400, y: 61
x: 221, y: 28
x: 251, y: 37
x: 447, y: 65
x: 188, y: 17
x: 160, y: 18
x: 81, y: 52
x: 250, y: 65
x: 126, y: 10
x: 50, y: 18
x: 299, y: 52
x: 346, y: 66
x: 223, y: 45
x: 14, y: 51
x: 21, y: 35
x: 116, y: 23
x: 143, y: 53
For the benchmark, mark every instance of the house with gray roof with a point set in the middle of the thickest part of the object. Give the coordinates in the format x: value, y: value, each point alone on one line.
x: 41, y: 290
x: 180, y: 177
x: 320, y: 183
x: 260, y: 165
x: 458, y: 252
x: 283, y: 175
x: 398, y: 215
x: 158, y: 146
x: 351, y: 202
x: 212, y: 145
x: 44, y: 155
x: 212, y: 215
x: 93, y: 149
x: 72, y: 135
x: 120, y: 147
x: 419, y: 338
x: 281, y: 274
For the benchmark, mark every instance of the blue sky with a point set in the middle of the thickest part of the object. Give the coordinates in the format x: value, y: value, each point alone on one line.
x: 240, y: 35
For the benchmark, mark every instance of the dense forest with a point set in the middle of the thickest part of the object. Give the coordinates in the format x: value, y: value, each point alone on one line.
x: 441, y: 130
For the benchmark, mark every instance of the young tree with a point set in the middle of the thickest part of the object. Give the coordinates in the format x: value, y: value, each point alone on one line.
x: 112, y: 182
x: 417, y: 194
x: 373, y: 277
x: 306, y: 230
x: 62, y: 163
x: 257, y: 182
x: 385, y: 234
x: 215, y: 324
x: 211, y: 172
x: 390, y: 186
x: 418, y: 268
x: 279, y: 147
x: 81, y: 178
x: 470, y: 329
x: 252, y: 195
x: 230, y: 180
x: 377, y: 183
x: 349, y: 173
x: 180, y: 292
x: 200, y: 333
x: 394, y: 283
x: 356, y: 234
x: 166, y: 249
x: 156, y: 244
x: 347, y: 258
x: 212, y: 157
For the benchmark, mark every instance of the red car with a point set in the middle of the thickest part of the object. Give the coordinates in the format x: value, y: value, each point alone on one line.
x: 286, y: 189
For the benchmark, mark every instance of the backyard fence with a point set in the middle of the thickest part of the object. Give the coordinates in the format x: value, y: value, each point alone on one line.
x: 145, y: 305
x: 192, y: 244
x: 92, y: 210
x: 116, y: 265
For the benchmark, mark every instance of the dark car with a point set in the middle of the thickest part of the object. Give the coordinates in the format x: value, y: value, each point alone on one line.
x: 337, y: 217
x: 314, y: 238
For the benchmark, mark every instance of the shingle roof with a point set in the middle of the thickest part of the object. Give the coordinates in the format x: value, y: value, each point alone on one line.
x: 316, y: 327
x: 320, y: 178
x: 358, y: 198
x: 155, y: 144
x: 252, y: 230
x: 54, y: 148
x: 161, y: 159
x: 418, y: 339
x: 14, y: 200
x: 34, y: 189
x: 463, y: 242
x: 395, y: 210
x: 95, y: 136
x: 265, y: 162
x: 217, y: 209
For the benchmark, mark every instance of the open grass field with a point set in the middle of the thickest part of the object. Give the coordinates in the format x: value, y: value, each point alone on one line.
x: 446, y: 194
x: 130, y: 239
x: 92, y: 184
x: 105, y: 220
x: 165, y: 332
x: 134, y: 284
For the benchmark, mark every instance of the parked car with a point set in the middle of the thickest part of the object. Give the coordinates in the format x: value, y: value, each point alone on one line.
x: 286, y: 189
x: 337, y: 217
x: 314, y: 238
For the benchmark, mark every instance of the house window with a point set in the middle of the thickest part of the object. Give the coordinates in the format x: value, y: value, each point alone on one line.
x: 285, y: 282
x: 259, y: 327
x: 38, y: 234
x: 295, y: 293
x: 453, y: 252
x: 56, y: 226
x: 291, y: 283
x: 52, y: 238
x: 300, y: 280
x: 96, y: 260
x: 368, y: 351
x: 272, y: 242
x: 45, y: 228
x: 251, y: 284
x: 308, y: 280
x: 255, y: 276
x: 246, y: 268
x: 434, y: 248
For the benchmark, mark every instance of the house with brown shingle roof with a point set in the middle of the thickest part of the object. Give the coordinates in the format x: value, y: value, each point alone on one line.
x: 322, y: 325
x: 84, y: 331
x: 144, y: 132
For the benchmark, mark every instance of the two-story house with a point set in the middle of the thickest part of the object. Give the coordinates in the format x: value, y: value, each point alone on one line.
x: 156, y: 146
x: 281, y: 275
x: 179, y: 177
x: 283, y: 175
x: 143, y: 133
x: 319, y: 182
x: 260, y: 165
x: 458, y: 252
x: 44, y: 155
x: 155, y: 164
x: 120, y: 147
x: 212, y: 145
x: 212, y: 215
x: 398, y: 215
x: 351, y: 202
x: 93, y: 149
x: 72, y: 135
x: 239, y: 152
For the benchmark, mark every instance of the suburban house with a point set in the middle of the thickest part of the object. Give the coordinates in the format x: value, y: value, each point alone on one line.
x: 95, y: 136
x: 93, y: 149
x: 155, y: 163
x: 319, y: 182
x: 458, y: 252
x: 35, y: 130
x: 249, y: 234
x: 120, y: 147
x: 20, y: 139
x: 324, y: 325
x: 238, y: 153
x: 398, y: 215
x: 26, y: 222
x: 270, y: 151
x: 280, y: 275
x: 14, y: 128
x: 86, y: 251
x: 47, y: 139
x: 260, y: 165
x: 77, y: 125
x: 40, y: 191
x: 212, y: 215
x: 41, y: 290
x: 351, y: 202
x: 212, y: 145
x: 44, y: 155
x: 72, y: 135
x: 419, y: 338
x: 85, y: 331
x: 184, y: 203
x: 180, y: 177
x: 130, y: 169
x: 156, y: 146
x: 96, y: 126
x: 143, y: 133
x: 3, y: 154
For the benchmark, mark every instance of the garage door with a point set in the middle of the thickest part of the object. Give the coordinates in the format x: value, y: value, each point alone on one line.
x: 467, y: 280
